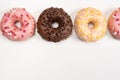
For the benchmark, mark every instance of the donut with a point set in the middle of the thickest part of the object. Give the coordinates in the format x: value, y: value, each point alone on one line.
x: 11, y: 30
x: 50, y: 16
x: 114, y: 24
x: 88, y: 16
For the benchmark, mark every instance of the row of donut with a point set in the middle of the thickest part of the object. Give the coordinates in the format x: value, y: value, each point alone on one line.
x: 90, y: 25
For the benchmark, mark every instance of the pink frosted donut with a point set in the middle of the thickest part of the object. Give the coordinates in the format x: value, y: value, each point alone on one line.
x: 11, y: 30
x: 114, y: 23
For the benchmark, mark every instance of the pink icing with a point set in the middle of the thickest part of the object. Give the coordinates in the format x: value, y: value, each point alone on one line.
x: 9, y: 29
x: 114, y: 24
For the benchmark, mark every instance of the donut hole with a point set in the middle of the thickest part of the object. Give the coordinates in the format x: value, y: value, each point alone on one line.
x: 91, y: 25
x: 55, y: 25
x: 18, y: 24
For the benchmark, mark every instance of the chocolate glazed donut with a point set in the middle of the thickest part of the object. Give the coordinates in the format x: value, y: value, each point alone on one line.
x: 51, y: 16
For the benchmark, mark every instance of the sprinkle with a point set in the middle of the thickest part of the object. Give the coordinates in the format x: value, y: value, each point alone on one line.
x: 113, y: 28
x: 114, y: 14
x: 20, y: 29
x: 26, y: 24
x: 115, y: 33
x: 23, y: 8
x: 22, y: 36
x: 13, y: 11
x: 27, y: 15
x: 8, y: 14
x: 5, y: 14
x: 3, y: 31
x: 24, y: 31
x: 16, y: 16
x: 11, y: 33
x: 25, y: 21
x: 21, y: 16
x: 30, y: 32
x: 117, y: 19
x: 6, y: 27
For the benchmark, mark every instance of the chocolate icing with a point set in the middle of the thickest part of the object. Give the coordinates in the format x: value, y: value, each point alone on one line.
x: 50, y: 16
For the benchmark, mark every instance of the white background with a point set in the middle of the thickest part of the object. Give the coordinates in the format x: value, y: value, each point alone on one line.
x: 71, y: 59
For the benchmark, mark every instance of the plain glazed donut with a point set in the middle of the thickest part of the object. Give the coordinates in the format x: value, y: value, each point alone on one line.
x: 11, y: 30
x: 114, y: 24
x: 50, y: 16
x: 86, y: 16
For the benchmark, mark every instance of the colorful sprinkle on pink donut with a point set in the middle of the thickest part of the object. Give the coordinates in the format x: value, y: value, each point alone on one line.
x: 11, y: 30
